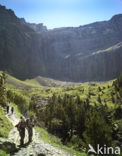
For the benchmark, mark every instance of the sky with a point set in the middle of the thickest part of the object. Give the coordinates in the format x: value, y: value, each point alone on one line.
x: 64, y: 13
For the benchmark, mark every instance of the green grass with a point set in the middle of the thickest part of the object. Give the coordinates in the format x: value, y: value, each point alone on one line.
x: 53, y: 140
x: 5, y: 124
x: 32, y: 81
x: 3, y: 153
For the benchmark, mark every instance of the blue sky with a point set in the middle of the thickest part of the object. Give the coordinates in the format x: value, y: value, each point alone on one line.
x: 62, y: 13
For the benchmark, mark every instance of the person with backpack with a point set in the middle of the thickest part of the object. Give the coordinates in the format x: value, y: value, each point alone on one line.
x: 21, y: 128
x: 25, y: 113
x: 8, y: 107
x: 30, y: 123
x: 12, y: 110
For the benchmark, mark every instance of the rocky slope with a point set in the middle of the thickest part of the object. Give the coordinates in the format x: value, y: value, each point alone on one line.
x: 28, y: 50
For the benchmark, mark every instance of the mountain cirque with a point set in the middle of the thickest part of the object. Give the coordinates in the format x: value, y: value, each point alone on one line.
x: 91, y: 52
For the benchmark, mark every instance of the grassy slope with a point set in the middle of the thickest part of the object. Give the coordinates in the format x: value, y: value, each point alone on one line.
x: 15, y: 83
x: 48, y: 82
x: 5, y: 125
x: 12, y: 82
x: 37, y: 82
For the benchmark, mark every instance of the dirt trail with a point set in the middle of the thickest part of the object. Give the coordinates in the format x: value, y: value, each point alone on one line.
x: 37, y: 147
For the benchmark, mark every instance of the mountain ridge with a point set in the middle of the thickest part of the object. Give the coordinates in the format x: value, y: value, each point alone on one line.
x: 113, y: 18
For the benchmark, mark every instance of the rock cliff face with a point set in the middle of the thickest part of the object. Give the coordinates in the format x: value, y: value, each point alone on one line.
x: 20, y: 47
x: 101, y: 65
x: 71, y: 54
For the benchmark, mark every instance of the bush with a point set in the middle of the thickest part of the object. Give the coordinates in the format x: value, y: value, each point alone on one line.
x: 76, y: 143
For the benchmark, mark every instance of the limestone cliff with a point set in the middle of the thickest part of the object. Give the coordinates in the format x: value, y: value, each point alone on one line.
x: 29, y: 50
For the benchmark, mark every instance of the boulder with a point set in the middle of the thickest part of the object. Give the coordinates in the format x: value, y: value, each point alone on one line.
x: 7, y: 145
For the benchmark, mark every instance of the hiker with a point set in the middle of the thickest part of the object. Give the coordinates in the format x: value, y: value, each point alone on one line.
x: 21, y: 128
x: 25, y: 113
x: 12, y: 110
x: 30, y: 124
x: 7, y: 108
